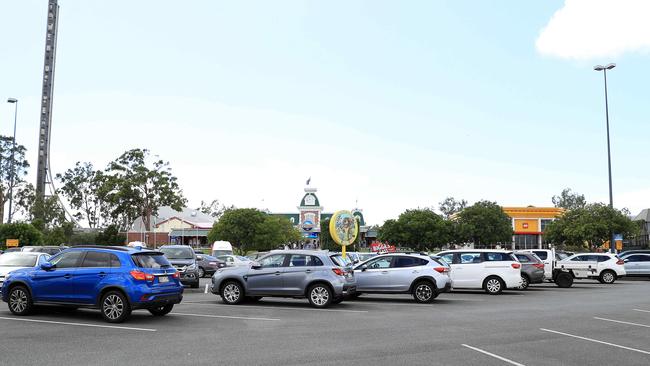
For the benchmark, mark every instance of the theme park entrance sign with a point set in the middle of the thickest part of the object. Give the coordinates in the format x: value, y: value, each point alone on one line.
x: 344, y: 229
x: 381, y: 247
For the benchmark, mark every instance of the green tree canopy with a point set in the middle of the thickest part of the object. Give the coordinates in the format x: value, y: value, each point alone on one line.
x: 569, y: 200
x: 484, y: 223
x: 590, y: 226
x: 13, y: 169
x: 250, y: 229
x: 110, y: 236
x: 418, y: 229
x: 24, y: 232
x: 450, y: 206
x: 81, y: 186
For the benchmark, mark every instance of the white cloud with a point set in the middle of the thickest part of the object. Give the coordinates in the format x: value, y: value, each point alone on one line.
x: 588, y: 29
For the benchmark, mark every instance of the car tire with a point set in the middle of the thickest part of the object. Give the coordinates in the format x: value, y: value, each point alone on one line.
x: 115, y: 307
x: 564, y: 280
x: 493, y: 285
x: 320, y: 295
x: 424, y: 292
x: 607, y: 277
x: 20, y: 301
x: 525, y: 282
x: 201, y: 272
x: 161, y: 310
x: 232, y: 293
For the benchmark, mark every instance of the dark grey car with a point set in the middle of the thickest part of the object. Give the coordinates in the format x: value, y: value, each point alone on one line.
x: 182, y: 257
x: 532, y: 269
x: 208, y: 264
x: 313, y: 274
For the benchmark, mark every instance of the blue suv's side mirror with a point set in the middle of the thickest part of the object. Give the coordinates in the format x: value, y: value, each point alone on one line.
x: 47, y: 266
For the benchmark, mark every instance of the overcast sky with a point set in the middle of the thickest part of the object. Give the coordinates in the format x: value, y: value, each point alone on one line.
x: 394, y: 104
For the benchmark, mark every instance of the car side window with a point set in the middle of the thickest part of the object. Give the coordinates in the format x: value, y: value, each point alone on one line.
x: 522, y: 258
x: 380, y: 263
x: 96, y: 259
x: 67, y: 260
x: 495, y: 257
x: 298, y: 260
x: 404, y: 262
x: 466, y: 258
x: 602, y: 258
x: 541, y: 254
x: 580, y: 258
x: 448, y: 258
x: 115, y: 261
x: 272, y: 261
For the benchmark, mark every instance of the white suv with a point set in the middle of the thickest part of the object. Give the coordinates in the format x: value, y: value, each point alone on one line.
x: 491, y: 270
x: 605, y: 267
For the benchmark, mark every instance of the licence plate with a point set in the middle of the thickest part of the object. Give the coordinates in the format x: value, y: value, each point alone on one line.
x: 163, y: 279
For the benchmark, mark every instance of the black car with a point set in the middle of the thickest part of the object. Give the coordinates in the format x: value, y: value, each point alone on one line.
x: 182, y: 257
x: 208, y: 264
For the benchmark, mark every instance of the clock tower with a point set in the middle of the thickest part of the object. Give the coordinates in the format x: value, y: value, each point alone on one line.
x: 310, y: 212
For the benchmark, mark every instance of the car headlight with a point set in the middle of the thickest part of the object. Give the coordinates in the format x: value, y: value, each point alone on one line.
x: 191, y: 267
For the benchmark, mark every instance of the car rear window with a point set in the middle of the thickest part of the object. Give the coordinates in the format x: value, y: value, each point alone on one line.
x: 541, y: 254
x: 523, y: 258
x: 150, y: 260
x: 340, y: 261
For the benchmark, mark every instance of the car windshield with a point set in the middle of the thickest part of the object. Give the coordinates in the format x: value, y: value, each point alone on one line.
x: 17, y: 260
x: 178, y: 253
x: 242, y: 258
x: 150, y: 260
x: 561, y: 255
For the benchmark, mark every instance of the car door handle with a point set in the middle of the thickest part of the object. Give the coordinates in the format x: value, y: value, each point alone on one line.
x: 102, y: 274
x: 308, y: 271
x: 384, y: 272
x: 67, y: 276
x: 277, y: 273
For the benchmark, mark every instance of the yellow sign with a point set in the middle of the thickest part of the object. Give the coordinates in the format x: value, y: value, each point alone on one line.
x: 12, y: 243
x: 343, y: 228
x: 619, y: 244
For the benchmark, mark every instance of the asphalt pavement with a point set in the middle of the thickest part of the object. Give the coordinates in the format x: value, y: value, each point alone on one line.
x: 588, y: 324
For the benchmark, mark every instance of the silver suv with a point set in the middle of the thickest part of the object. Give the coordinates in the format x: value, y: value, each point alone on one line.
x: 422, y: 276
x: 320, y: 276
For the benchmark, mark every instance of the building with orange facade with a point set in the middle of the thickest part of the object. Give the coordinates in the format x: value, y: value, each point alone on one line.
x: 529, y: 223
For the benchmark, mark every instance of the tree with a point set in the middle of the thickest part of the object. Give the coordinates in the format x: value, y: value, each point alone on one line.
x: 569, y: 200
x: 110, y: 236
x: 81, y: 186
x: 590, y: 226
x: 24, y: 232
x: 136, y: 186
x: 214, y: 208
x: 484, y: 223
x: 13, y: 169
x: 250, y: 229
x: 449, y: 206
x: 419, y: 229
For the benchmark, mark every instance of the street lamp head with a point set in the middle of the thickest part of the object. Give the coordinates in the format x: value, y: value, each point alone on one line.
x: 12, y: 100
x: 599, y: 68
x: 610, y: 66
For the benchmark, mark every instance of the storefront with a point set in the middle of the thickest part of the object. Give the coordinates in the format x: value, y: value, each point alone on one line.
x: 529, y: 223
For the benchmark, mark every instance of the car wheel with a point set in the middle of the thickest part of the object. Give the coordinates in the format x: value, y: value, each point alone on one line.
x: 564, y: 280
x: 161, y: 310
x: 607, y: 276
x: 201, y: 272
x: 115, y: 307
x: 320, y: 295
x: 525, y: 282
x: 424, y: 292
x: 494, y: 285
x: 20, y: 301
x: 232, y: 293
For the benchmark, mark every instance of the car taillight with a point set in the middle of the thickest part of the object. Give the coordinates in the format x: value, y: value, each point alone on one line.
x: 441, y: 269
x: 176, y: 275
x: 539, y: 265
x: 338, y: 271
x: 620, y: 262
x: 141, y: 276
x: 516, y: 265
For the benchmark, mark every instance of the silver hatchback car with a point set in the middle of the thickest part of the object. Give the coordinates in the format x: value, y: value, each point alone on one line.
x: 320, y: 276
x: 422, y: 276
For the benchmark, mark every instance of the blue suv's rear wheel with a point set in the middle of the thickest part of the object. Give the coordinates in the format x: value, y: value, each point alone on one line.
x: 20, y: 301
x: 115, y: 307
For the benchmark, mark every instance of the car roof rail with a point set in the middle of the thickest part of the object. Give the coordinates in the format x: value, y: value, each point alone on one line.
x: 123, y: 249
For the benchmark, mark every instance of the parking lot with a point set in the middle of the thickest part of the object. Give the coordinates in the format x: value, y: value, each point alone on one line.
x: 588, y: 324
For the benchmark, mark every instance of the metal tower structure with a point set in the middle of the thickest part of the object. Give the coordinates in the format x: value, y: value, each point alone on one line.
x: 46, y: 99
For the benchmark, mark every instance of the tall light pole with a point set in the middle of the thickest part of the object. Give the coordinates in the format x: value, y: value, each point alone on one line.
x: 609, y: 155
x: 13, y: 149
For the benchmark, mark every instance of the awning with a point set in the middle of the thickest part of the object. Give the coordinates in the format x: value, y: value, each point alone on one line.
x: 189, y: 232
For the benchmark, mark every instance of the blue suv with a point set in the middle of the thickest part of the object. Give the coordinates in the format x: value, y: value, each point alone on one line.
x: 115, y: 280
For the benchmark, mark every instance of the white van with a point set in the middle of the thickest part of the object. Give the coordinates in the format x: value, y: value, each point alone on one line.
x: 221, y: 248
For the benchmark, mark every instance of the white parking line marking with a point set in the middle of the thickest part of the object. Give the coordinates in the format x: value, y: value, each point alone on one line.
x: 495, y: 356
x: 79, y: 324
x: 641, y: 310
x: 595, y: 340
x: 206, y: 288
x: 225, y: 317
x: 622, y: 322
x: 274, y: 307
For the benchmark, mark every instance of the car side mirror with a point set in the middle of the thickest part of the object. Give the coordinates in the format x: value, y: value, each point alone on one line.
x: 199, y: 257
x: 363, y: 268
x: 47, y: 266
x: 626, y: 260
x: 256, y: 265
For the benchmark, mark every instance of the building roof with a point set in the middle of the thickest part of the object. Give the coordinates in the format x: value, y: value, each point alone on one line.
x: 644, y: 215
x: 193, y: 217
x: 533, y: 212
